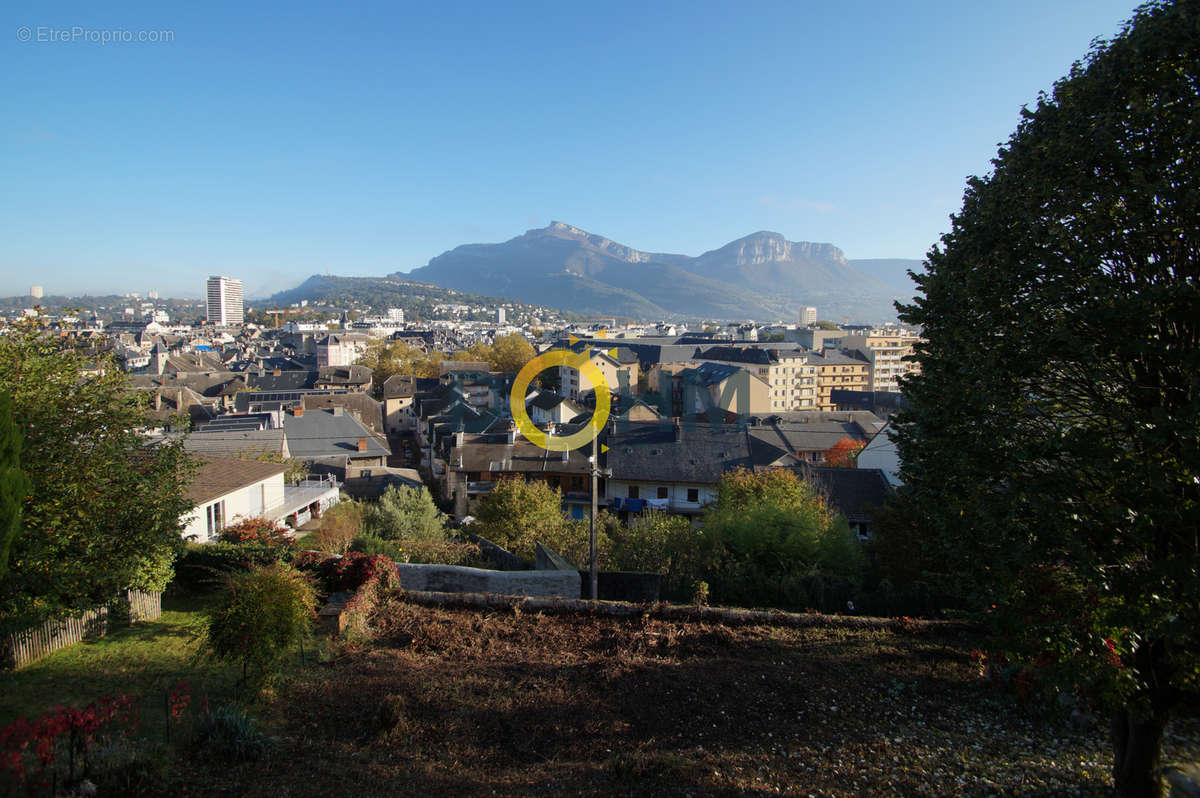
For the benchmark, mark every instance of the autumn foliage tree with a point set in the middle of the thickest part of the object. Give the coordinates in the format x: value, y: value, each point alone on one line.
x: 843, y: 453
x: 1051, y: 455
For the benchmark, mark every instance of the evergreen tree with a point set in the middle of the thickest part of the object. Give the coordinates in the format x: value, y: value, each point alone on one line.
x: 1051, y: 457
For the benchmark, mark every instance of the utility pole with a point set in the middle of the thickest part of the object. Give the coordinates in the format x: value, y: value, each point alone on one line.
x: 595, y: 469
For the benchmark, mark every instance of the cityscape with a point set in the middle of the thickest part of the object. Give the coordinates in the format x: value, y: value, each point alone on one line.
x: 866, y: 462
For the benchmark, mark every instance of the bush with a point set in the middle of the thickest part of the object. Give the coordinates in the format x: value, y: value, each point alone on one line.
x: 256, y: 530
x: 517, y: 513
x: 339, y: 526
x: 203, y: 566
x: 229, y: 732
x: 404, y: 513
x: 267, y: 613
x: 419, y: 551
x: 661, y: 543
x: 349, y: 572
x: 772, y: 540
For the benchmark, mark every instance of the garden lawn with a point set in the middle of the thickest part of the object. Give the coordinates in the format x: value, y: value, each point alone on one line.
x: 142, y: 661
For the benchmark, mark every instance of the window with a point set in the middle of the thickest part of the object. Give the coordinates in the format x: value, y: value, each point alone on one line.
x: 693, y: 495
x: 633, y: 491
x: 215, y: 515
x: 662, y: 493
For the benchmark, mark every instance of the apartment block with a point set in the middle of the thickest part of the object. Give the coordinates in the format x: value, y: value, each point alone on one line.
x: 885, y: 349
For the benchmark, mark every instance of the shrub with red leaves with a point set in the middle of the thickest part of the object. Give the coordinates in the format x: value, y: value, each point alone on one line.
x: 256, y: 530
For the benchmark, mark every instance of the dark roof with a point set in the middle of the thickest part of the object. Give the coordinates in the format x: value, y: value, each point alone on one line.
x: 741, y: 354
x: 322, y: 433
x: 218, y: 476
x: 855, y: 492
x: 546, y: 400
x: 713, y: 373
x: 236, y: 442
x: 344, y: 375
x: 365, y: 408
x: 522, y: 456
x: 868, y: 400
x: 814, y: 436
x: 283, y: 381
x: 648, y: 451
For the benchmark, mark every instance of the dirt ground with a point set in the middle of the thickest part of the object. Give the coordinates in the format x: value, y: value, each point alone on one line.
x: 464, y: 703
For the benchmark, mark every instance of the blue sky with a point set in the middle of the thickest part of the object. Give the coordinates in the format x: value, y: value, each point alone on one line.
x: 286, y: 140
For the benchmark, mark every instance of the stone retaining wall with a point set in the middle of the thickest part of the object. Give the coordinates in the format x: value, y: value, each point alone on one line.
x: 460, y: 579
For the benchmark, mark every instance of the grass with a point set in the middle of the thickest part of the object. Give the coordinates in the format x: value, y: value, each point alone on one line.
x: 144, y: 660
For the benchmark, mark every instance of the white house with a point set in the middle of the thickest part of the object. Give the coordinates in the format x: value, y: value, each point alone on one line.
x: 880, y: 452
x: 226, y: 490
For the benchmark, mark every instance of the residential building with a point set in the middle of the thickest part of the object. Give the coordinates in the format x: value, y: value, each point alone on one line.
x: 332, y: 440
x: 618, y: 365
x: 791, y: 380
x: 880, y: 453
x: 341, y: 349
x: 225, y: 301
x: 836, y: 369
x: 885, y: 349
x: 225, y: 490
x: 672, y: 467
x: 856, y: 493
x: 477, y: 461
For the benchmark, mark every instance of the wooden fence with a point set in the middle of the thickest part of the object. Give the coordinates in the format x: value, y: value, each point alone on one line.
x: 21, y: 648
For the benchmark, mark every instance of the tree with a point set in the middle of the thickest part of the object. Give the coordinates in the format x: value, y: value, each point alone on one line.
x: 1051, y: 456
x: 516, y: 514
x: 103, y: 511
x: 768, y: 535
x: 386, y: 358
x: 340, y: 525
x: 267, y: 613
x: 13, y: 482
x: 843, y: 454
x: 507, y: 353
x: 404, y: 513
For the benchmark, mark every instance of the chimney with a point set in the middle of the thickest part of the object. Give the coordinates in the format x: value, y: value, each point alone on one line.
x: 362, y: 444
x: 678, y: 429
x: 458, y: 439
x: 512, y: 434
x: 158, y: 400
x: 298, y: 411
x: 566, y: 456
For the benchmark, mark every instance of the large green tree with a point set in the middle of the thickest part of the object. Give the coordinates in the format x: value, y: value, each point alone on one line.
x: 1051, y: 457
x: 101, y: 511
x: 13, y: 482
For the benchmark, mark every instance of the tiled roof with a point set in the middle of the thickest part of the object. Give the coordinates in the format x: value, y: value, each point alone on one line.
x: 855, y: 492
x: 237, y: 442
x: 649, y: 451
x: 322, y: 433
x: 218, y: 476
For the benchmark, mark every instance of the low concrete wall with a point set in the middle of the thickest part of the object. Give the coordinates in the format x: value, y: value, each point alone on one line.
x: 460, y: 579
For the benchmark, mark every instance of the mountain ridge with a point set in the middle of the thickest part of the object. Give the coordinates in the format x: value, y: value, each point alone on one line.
x: 761, y: 276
